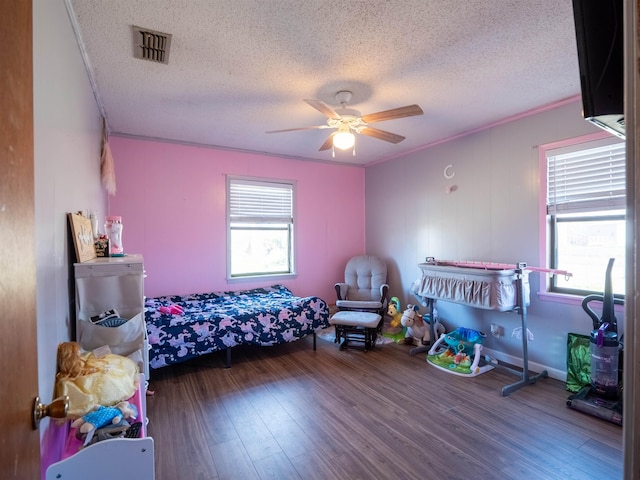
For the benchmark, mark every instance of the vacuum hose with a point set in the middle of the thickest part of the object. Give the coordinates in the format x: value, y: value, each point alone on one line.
x: 608, y: 300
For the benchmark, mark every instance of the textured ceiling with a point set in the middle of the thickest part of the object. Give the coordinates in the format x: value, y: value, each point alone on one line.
x: 238, y: 68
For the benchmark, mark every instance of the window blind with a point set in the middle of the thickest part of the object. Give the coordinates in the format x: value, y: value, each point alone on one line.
x: 253, y: 201
x: 586, y: 180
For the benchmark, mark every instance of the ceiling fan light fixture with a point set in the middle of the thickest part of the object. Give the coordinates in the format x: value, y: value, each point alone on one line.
x: 344, y: 140
x: 348, y: 122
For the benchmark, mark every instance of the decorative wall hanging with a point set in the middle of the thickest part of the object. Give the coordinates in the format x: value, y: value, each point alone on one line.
x: 82, y: 237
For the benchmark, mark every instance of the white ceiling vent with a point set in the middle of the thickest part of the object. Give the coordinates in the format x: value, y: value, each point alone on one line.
x: 151, y: 45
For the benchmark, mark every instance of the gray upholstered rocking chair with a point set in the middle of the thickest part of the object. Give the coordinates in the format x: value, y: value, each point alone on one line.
x: 362, y: 302
x: 365, y: 285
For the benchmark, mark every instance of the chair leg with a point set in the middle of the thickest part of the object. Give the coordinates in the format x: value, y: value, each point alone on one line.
x: 366, y: 337
x: 370, y: 335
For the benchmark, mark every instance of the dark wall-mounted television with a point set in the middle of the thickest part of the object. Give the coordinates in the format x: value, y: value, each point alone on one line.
x: 599, y: 35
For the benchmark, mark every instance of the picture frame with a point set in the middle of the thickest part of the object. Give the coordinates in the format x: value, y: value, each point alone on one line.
x: 82, y: 237
x: 102, y: 246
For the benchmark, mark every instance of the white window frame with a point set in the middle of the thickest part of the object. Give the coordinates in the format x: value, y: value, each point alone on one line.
x: 545, y: 248
x: 268, y: 210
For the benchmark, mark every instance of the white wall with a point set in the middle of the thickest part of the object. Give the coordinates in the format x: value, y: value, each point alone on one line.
x: 491, y: 216
x: 67, y: 136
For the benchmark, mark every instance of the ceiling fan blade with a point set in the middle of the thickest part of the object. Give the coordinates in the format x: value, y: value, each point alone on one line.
x: 300, y: 128
x: 401, y: 112
x: 382, y: 135
x: 323, y: 108
x: 328, y: 143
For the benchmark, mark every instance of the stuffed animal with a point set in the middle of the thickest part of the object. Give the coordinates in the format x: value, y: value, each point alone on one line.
x: 417, y: 329
x: 393, y: 310
x: 171, y: 310
x: 101, y: 416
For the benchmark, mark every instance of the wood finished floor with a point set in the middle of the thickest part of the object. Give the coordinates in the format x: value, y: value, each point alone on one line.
x: 287, y: 412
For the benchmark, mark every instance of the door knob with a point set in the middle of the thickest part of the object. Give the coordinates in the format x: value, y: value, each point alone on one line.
x: 56, y: 409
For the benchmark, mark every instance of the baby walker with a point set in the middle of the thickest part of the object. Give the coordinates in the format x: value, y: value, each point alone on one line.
x: 602, y: 398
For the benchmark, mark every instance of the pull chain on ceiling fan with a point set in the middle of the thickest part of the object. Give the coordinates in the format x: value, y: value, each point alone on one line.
x: 349, y: 122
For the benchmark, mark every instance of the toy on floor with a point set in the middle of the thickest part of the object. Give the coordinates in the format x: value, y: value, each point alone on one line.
x: 101, y: 416
x: 418, y: 330
x: 392, y: 330
x: 393, y: 310
x: 461, y: 353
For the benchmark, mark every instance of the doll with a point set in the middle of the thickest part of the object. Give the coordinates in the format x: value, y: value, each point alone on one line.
x: 70, y: 362
x: 101, y: 416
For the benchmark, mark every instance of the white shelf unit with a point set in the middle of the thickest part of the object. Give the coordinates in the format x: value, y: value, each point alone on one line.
x: 102, y: 284
x: 122, y: 458
x: 107, y: 283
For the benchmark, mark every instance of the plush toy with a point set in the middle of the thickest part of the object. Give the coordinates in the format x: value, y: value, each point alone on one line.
x: 393, y: 310
x: 417, y: 329
x: 101, y: 416
x: 171, y: 310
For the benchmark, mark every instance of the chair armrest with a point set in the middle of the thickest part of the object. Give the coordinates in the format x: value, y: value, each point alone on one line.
x: 341, y: 290
x: 384, y: 291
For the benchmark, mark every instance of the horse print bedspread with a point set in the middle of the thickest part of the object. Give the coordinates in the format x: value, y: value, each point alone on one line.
x: 207, y: 322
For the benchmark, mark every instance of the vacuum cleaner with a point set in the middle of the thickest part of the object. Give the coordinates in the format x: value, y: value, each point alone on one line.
x: 602, y: 398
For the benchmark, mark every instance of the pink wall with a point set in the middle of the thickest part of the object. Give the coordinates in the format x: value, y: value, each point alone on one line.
x: 172, y: 201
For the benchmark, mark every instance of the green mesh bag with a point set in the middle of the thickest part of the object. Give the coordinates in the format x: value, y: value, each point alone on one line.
x: 578, y: 362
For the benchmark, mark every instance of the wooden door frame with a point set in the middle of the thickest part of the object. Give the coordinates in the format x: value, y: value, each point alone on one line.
x: 20, y: 452
x: 631, y: 381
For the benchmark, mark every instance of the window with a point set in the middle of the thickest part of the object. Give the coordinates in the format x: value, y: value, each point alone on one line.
x: 586, y: 215
x: 260, y: 227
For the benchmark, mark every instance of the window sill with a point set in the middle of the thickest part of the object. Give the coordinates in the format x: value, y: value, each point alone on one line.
x: 560, y: 298
x: 568, y: 299
x: 254, y: 278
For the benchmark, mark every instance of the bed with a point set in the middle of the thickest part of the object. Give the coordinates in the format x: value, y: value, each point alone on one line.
x: 218, y: 321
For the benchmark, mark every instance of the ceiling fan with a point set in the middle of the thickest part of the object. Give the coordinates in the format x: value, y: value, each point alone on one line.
x: 348, y: 122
